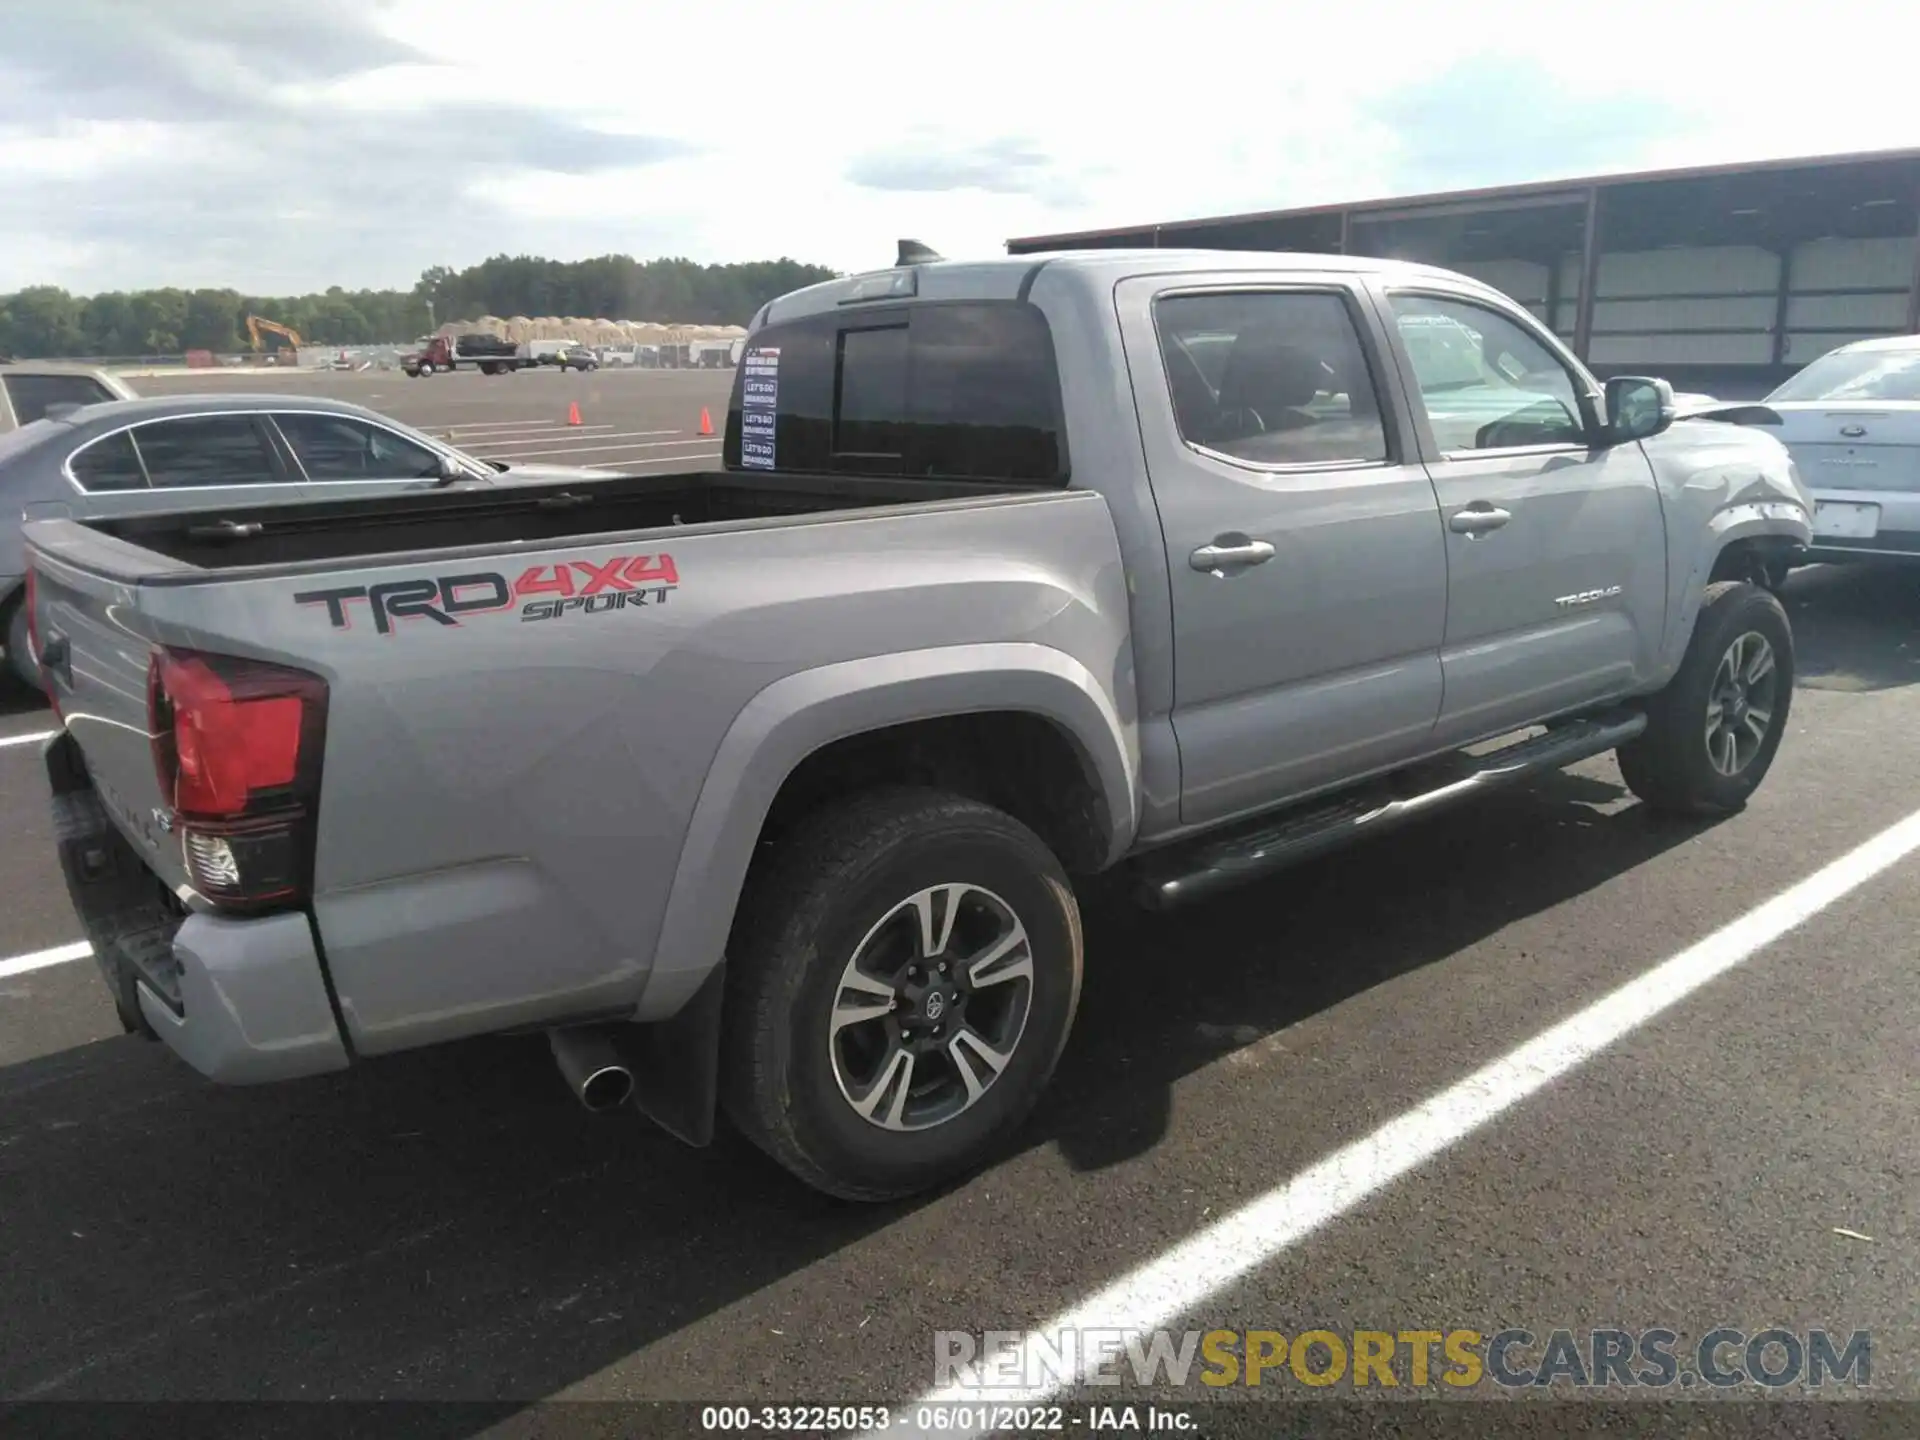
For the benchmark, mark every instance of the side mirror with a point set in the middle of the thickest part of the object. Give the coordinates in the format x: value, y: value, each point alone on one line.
x: 451, y: 470
x: 1638, y: 406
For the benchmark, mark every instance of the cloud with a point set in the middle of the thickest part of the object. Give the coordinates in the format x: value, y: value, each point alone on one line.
x: 221, y: 143
x: 997, y: 167
x: 292, y: 144
x: 206, y: 60
x: 1498, y: 119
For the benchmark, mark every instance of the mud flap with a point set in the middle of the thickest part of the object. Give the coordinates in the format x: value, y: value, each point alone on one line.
x: 112, y: 892
x: 676, y: 1065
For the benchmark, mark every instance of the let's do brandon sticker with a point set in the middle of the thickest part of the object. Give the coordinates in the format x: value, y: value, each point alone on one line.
x: 759, y: 406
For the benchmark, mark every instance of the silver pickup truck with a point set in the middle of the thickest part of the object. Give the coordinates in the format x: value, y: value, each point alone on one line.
x: 764, y: 791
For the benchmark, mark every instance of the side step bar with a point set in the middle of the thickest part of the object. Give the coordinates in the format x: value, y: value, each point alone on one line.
x: 1215, y: 865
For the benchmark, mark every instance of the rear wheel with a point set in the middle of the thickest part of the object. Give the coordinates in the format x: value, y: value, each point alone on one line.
x: 900, y: 985
x: 1713, y: 732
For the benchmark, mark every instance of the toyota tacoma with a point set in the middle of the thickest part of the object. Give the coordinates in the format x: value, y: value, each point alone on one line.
x: 765, y: 792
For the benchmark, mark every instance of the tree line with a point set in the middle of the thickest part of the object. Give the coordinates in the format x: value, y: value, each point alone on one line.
x: 47, y: 322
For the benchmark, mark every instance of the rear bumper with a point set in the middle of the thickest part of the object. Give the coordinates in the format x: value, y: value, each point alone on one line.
x: 1897, y: 534
x: 243, y: 1001
x: 1887, y: 545
x: 252, y: 1006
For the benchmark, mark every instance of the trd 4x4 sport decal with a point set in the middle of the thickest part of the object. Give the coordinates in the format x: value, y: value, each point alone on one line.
x: 570, y: 587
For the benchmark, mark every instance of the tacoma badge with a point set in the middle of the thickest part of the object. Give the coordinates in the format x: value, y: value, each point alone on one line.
x: 1587, y: 597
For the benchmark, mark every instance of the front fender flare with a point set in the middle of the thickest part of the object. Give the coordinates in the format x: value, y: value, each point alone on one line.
x: 799, y: 714
x: 1749, y: 520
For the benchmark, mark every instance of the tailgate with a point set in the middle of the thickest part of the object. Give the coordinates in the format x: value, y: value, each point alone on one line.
x: 95, y: 650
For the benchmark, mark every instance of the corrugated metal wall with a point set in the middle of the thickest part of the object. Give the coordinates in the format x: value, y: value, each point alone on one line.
x: 1871, y: 277
x: 1678, y: 306
x: 1521, y: 280
x: 1719, y: 306
x: 1723, y: 301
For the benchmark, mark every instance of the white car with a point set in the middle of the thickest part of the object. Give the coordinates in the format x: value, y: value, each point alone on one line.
x: 1852, y: 423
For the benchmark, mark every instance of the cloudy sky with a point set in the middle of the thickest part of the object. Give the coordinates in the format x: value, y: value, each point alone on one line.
x: 286, y: 145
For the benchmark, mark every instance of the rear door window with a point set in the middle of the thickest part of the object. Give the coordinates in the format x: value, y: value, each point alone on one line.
x: 33, y: 395
x: 107, y: 465
x: 202, y: 451
x: 337, y: 447
x: 952, y: 391
x: 1271, y: 378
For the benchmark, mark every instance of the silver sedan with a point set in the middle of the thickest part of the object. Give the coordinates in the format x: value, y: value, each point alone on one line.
x: 202, y: 452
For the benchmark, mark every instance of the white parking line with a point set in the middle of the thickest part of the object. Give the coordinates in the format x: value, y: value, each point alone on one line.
x: 34, y: 738
x: 41, y: 959
x: 491, y: 444
x: 504, y: 424
x: 519, y: 427
x: 460, y: 435
x: 602, y: 464
x: 1183, y: 1278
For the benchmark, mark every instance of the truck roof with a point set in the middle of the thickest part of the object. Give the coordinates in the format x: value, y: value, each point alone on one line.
x: 1010, y: 277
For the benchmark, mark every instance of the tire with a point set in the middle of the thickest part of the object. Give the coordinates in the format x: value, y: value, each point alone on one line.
x: 1671, y: 765
x: 20, y: 658
x: 842, y: 885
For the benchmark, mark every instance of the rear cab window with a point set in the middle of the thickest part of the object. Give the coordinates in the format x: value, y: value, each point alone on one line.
x: 964, y: 390
x: 31, y: 396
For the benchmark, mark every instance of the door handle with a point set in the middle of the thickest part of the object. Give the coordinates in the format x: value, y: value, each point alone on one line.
x: 1477, y: 519
x: 1230, y: 552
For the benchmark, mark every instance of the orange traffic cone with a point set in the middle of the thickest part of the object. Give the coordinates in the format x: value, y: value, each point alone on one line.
x: 573, y: 412
x: 706, y: 421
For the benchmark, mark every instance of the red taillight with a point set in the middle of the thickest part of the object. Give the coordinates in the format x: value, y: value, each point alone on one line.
x: 236, y: 746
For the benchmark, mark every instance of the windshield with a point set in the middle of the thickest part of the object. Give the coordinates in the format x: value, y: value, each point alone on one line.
x: 1857, y: 375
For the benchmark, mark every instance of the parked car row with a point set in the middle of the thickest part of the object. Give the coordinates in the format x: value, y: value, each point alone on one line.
x: 1851, y: 421
x: 194, y: 453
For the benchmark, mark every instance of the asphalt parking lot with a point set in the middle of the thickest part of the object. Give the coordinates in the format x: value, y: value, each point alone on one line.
x: 451, y: 1225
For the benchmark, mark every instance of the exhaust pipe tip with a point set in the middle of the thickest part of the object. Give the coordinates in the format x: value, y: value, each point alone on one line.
x: 607, y: 1088
x: 592, y: 1066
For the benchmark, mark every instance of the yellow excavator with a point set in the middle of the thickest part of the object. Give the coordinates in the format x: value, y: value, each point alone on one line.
x: 256, y: 324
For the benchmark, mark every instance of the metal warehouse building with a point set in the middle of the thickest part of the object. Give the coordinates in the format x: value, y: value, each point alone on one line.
x: 1724, y: 279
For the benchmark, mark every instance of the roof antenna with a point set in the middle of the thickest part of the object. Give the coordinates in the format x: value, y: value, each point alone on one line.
x: 912, y: 252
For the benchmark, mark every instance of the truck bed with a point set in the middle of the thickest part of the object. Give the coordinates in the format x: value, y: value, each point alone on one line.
x: 515, y: 778
x: 456, y: 519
